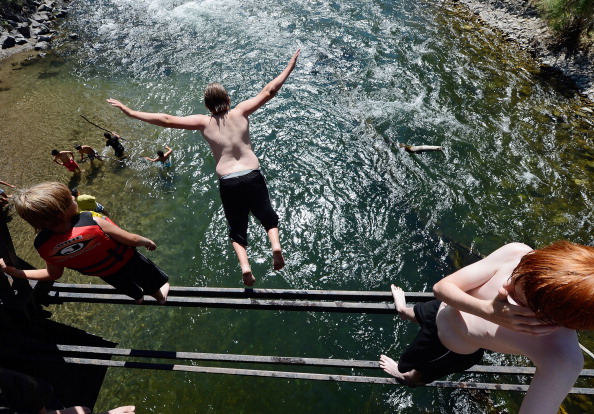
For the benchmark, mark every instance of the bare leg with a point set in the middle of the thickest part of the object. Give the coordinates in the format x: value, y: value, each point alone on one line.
x: 278, y: 261
x: 411, y: 378
x: 127, y: 409
x: 161, y: 294
x: 246, y: 270
x: 406, y: 313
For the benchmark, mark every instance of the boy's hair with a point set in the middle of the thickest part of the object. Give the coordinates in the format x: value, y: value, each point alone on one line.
x: 107, y: 135
x: 216, y: 99
x: 43, y: 205
x: 77, y: 147
x: 55, y: 152
x: 160, y: 153
x: 558, y: 282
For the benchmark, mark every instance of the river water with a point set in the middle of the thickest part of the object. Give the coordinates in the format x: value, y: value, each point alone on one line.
x: 357, y: 211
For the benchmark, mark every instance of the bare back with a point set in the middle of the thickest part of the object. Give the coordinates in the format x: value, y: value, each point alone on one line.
x: 229, y: 140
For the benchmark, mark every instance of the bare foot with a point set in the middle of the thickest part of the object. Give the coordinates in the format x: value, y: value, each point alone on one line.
x: 162, y: 293
x: 399, y: 299
x: 391, y: 367
x: 278, y: 261
x: 404, y: 311
x: 248, y: 278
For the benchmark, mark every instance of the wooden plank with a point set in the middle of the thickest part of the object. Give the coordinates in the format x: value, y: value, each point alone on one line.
x: 274, y: 360
x: 184, y: 291
x: 302, y: 375
x: 231, y: 303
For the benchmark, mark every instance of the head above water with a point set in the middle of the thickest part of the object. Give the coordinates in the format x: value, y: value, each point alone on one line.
x: 216, y: 99
x: 160, y: 153
x: 77, y: 147
x: 43, y: 205
x: 74, y: 192
x: 107, y: 135
x: 55, y: 152
x: 557, y: 283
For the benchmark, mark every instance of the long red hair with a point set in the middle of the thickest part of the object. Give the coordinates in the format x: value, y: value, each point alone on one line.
x: 558, y: 282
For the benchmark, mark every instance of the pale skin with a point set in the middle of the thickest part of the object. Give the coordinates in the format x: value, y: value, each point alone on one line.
x: 229, y: 140
x: 475, y: 314
x: 54, y: 272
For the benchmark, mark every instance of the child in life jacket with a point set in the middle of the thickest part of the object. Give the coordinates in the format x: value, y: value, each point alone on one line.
x: 91, y: 245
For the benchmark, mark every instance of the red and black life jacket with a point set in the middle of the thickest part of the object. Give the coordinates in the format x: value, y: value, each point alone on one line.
x: 85, y: 248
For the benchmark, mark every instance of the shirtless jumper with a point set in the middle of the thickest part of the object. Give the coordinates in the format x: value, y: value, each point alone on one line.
x: 241, y: 193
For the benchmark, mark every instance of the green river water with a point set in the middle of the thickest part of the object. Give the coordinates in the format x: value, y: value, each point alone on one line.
x: 357, y: 211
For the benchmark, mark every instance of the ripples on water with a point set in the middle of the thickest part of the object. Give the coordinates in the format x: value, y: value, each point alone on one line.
x: 357, y: 211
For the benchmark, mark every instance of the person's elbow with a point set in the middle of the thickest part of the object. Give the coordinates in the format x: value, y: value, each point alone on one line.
x: 438, y: 289
x: 54, y: 274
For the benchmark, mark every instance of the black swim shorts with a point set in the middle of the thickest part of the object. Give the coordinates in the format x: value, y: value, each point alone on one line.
x: 139, y: 277
x: 427, y: 354
x: 240, y: 196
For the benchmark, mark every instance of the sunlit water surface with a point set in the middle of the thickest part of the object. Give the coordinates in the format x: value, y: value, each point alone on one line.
x: 357, y: 211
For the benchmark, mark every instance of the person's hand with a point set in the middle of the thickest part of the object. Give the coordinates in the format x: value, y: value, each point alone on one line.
x: 517, y: 318
x: 116, y: 103
x: 150, y: 245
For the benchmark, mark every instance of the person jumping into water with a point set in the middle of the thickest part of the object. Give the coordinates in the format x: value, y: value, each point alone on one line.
x: 241, y: 184
x: 515, y: 301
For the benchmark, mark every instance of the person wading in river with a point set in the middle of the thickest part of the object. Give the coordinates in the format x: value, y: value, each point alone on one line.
x: 242, y: 186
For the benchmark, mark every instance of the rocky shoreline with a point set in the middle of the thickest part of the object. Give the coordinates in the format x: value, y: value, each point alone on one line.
x: 518, y: 21
x: 31, y: 28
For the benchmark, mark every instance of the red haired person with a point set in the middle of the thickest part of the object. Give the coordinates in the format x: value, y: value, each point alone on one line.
x: 515, y: 301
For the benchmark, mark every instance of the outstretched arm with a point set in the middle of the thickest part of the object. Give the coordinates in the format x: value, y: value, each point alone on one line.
x: 159, y: 119
x: 453, y: 291
x: 269, y: 91
x: 168, y: 153
x: 51, y: 272
x: 123, y: 236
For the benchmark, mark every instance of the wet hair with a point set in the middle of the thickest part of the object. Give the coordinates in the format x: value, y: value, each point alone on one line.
x: 74, y: 192
x: 216, y: 99
x: 558, y: 283
x: 43, y: 205
x: 55, y: 152
x: 107, y: 135
x: 77, y: 147
x: 160, y: 153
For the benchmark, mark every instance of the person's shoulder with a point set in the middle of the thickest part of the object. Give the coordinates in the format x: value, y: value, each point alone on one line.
x: 517, y: 248
x: 512, y: 251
